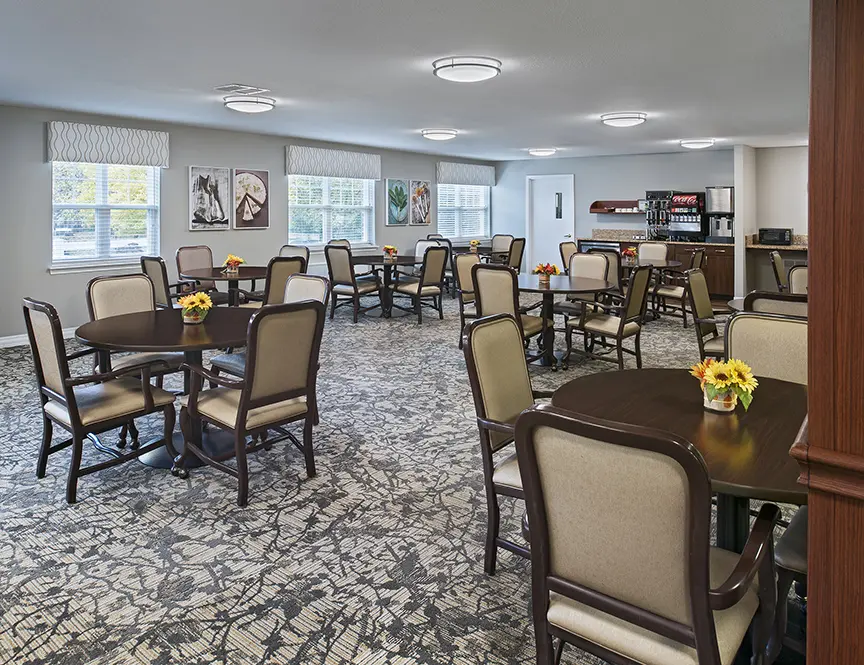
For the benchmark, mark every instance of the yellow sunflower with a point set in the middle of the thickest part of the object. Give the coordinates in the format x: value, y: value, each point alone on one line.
x: 742, y: 375
x: 718, y: 375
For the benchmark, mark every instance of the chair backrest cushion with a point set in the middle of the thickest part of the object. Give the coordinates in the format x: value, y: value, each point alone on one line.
x: 196, y: 257
x: 769, y: 302
x: 798, y: 280
x: 154, y: 268
x: 421, y: 246
x: 567, y: 249
x: 637, y: 294
x: 497, y: 368
x: 700, y: 301
x: 339, y: 264
x: 774, y: 346
x: 300, y: 287
x: 434, y: 264
x: 496, y: 290
x: 501, y: 243
x: 44, y: 330
x: 653, y: 251
x: 279, y: 270
x: 517, y: 250
x: 593, y: 266
x: 614, y: 259
x: 121, y: 294
x: 340, y: 242
x: 295, y: 250
x: 270, y: 370
x: 464, y: 263
x: 697, y: 259
x: 779, y: 270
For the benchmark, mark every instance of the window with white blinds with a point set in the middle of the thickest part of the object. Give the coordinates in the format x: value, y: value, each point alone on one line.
x: 322, y: 209
x: 463, y: 211
x: 103, y: 214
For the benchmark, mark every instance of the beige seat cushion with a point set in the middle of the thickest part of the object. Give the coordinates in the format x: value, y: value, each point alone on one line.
x: 531, y: 325
x: 174, y: 360
x: 468, y: 297
x: 646, y: 647
x: 506, y: 473
x: 470, y: 310
x: 672, y: 292
x: 221, y: 404
x: 604, y: 324
x: 363, y: 286
x: 715, y: 345
x: 106, y: 401
x: 255, y: 304
x: 413, y: 287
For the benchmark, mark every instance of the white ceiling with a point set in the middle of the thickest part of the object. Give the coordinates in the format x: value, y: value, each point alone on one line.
x: 359, y: 71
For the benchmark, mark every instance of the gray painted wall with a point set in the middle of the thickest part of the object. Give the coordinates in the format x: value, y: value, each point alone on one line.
x: 598, y: 178
x: 25, y: 186
x: 781, y: 188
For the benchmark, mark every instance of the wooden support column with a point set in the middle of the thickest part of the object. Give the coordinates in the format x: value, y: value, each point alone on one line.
x: 832, y: 456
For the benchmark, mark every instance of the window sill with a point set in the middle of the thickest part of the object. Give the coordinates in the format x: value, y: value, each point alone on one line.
x: 94, y: 267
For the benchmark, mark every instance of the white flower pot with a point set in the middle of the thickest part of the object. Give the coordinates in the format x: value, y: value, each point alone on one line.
x: 720, y: 404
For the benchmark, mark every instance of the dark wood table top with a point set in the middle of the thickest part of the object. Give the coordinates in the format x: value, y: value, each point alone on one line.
x: 218, y: 274
x: 379, y: 260
x: 563, y: 284
x: 747, y: 453
x: 737, y: 304
x: 657, y: 263
x: 164, y: 330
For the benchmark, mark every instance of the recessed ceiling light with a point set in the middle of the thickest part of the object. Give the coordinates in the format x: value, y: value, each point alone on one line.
x: 249, y: 104
x: 629, y: 119
x: 466, y: 68
x: 696, y: 144
x: 542, y: 152
x: 439, y: 134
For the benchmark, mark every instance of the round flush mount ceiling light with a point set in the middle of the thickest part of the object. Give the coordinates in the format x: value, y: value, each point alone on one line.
x: 542, y: 152
x: 696, y: 144
x: 628, y: 119
x: 466, y: 68
x: 439, y: 134
x: 249, y: 103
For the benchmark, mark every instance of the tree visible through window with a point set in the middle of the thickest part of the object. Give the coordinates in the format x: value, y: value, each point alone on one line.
x: 321, y: 209
x: 463, y: 211
x: 104, y: 212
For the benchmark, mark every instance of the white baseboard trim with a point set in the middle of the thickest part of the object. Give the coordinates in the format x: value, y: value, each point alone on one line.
x: 21, y: 340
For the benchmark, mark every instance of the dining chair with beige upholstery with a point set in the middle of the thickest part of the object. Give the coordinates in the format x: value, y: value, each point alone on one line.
x: 614, y: 275
x: 567, y: 249
x: 279, y: 270
x: 295, y: 250
x: 428, y: 286
x: 615, y: 322
x: 627, y: 580
x: 591, y: 266
x: 339, y: 242
x: 420, y: 248
x: 797, y: 280
x: 154, y: 267
x: 500, y: 249
x: 670, y: 289
x: 780, y: 275
x: 345, y: 284
x: 200, y: 257
x: 652, y: 251
x: 463, y: 263
x: 496, y: 291
x: 711, y: 342
x: 85, y: 405
x: 450, y: 269
x: 434, y: 236
x: 277, y: 389
x: 772, y: 302
x: 516, y: 254
x: 774, y: 346
x: 115, y: 295
x: 498, y: 374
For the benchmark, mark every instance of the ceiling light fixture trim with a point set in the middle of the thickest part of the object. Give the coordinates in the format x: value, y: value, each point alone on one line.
x: 696, y: 144
x: 466, y: 68
x: 439, y: 134
x: 542, y: 152
x: 624, y: 119
x: 249, y: 103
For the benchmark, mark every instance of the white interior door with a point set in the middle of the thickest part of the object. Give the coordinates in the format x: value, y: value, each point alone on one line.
x: 551, y: 217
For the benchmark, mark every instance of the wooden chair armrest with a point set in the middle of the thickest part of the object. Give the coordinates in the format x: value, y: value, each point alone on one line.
x: 144, y: 369
x: 81, y: 354
x: 759, y: 545
x: 497, y: 426
x: 715, y: 321
x: 218, y: 379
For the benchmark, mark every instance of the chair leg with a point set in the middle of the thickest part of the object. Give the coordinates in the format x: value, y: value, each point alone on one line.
x: 332, y: 305
x: 160, y: 381
x: 356, y: 307
x: 638, y: 351
x: 74, y: 465
x: 545, y: 649
x: 170, y: 415
x: 620, y: 354
x: 775, y: 643
x: 493, y: 518
x: 121, y: 438
x: 215, y: 370
x: 559, y: 650
x: 418, y: 308
x: 47, y: 431
x: 461, y: 323
x: 177, y: 468
x: 308, y: 453
x: 242, y: 468
x: 441, y: 307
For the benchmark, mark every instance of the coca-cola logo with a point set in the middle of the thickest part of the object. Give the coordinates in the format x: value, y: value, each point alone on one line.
x: 685, y: 199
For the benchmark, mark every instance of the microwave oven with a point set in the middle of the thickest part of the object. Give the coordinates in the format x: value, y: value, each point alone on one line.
x: 775, y: 236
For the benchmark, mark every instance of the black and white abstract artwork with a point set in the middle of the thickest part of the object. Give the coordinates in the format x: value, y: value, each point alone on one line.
x: 210, y: 203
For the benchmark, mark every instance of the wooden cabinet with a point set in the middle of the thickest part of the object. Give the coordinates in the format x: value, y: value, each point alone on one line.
x: 720, y: 270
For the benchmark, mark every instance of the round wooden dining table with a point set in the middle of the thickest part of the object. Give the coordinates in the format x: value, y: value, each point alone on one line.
x: 215, y: 274
x: 563, y: 285
x: 163, y: 331
x: 388, y: 267
x: 746, y: 452
x: 669, y: 264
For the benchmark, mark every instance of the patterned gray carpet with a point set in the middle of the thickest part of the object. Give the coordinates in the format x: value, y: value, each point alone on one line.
x: 376, y: 560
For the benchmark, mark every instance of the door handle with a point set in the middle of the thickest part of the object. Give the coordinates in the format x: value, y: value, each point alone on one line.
x: 569, y: 235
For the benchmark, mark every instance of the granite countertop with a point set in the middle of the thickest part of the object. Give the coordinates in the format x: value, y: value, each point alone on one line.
x: 788, y: 248
x: 668, y: 242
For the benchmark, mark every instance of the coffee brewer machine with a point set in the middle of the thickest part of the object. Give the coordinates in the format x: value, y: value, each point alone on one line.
x: 720, y: 209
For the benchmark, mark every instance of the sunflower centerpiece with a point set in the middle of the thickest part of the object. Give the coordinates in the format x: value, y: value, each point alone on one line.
x: 232, y: 263
x: 474, y: 245
x: 390, y: 252
x: 725, y: 383
x: 195, y: 306
x: 545, y: 272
